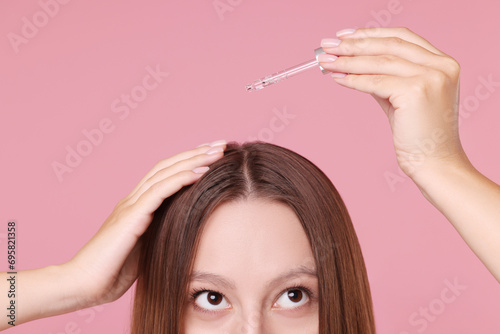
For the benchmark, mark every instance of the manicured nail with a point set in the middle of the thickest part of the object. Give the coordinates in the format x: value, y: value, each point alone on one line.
x: 201, y: 170
x: 215, y: 149
x: 326, y: 58
x: 218, y: 142
x: 203, y: 145
x: 344, y: 32
x: 338, y: 75
x: 330, y: 42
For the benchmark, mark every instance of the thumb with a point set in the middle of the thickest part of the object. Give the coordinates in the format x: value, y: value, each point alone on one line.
x: 384, y: 103
x: 130, y: 266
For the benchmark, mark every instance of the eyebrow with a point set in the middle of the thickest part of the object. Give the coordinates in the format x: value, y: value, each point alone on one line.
x: 219, y: 280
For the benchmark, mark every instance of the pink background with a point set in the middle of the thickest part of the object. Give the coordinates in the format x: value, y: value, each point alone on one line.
x: 71, y: 72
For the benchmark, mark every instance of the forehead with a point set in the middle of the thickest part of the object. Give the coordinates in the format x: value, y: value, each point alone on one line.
x: 253, y: 238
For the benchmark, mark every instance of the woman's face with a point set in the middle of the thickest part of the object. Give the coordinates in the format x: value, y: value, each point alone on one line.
x: 254, y: 272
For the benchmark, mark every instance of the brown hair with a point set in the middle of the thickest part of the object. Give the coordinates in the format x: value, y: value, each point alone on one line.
x: 254, y: 170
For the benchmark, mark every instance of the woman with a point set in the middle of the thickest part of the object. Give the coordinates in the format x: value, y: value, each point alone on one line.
x: 260, y: 213
x: 416, y: 85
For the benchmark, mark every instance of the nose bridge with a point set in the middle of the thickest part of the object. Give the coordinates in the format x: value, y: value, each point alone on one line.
x: 251, y: 322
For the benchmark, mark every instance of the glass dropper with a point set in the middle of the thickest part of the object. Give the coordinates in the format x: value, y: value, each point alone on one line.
x: 287, y: 73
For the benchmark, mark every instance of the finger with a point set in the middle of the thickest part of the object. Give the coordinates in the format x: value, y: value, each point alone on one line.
x: 399, y: 32
x: 181, y: 165
x: 151, y: 199
x: 384, y: 103
x: 394, y: 46
x: 129, y: 269
x: 385, y: 87
x: 385, y: 64
x: 172, y: 160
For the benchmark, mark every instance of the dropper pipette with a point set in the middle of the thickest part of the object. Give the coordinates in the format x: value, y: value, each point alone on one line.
x: 285, y: 74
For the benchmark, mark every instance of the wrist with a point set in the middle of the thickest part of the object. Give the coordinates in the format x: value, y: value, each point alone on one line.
x: 62, y: 289
x: 74, y: 294
x: 436, y: 174
x: 46, y: 292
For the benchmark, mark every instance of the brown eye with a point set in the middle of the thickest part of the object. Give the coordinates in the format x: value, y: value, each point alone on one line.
x: 214, y: 298
x: 212, y: 301
x: 295, y: 295
x: 292, y: 298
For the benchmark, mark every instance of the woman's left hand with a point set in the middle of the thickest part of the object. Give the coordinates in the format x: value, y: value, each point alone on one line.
x: 416, y: 85
x: 418, y: 88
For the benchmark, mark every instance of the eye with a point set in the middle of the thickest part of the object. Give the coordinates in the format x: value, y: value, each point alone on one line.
x: 211, y: 300
x: 292, y: 298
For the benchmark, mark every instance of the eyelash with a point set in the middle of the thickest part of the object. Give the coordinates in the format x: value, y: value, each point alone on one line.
x: 196, y: 292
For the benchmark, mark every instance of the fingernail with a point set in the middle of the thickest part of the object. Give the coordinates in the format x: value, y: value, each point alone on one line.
x: 330, y: 42
x: 344, y: 32
x: 215, y: 149
x: 200, y: 170
x: 326, y: 58
x: 338, y: 75
x: 218, y: 142
x: 203, y: 145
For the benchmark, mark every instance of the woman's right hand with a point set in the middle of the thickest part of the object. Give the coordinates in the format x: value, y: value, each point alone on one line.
x: 106, y: 267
